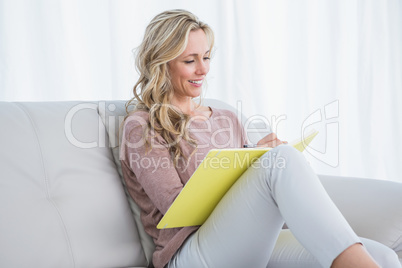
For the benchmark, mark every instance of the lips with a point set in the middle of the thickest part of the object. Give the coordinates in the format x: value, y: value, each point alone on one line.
x: 197, y: 82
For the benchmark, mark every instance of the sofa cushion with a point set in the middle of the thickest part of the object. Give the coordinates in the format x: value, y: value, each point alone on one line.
x: 371, y: 207
x: 61, y: 200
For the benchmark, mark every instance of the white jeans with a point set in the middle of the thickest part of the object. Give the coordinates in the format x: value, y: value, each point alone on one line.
x: 244, y: 227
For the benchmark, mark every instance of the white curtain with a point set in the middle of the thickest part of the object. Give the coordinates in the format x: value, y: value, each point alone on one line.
x: 335, y: 66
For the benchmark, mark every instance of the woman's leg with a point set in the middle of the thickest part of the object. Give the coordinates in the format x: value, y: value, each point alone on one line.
x: 289, y: 253
x: 243, y: 228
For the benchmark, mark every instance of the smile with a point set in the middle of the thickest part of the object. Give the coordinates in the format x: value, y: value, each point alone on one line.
x: 199, y: 82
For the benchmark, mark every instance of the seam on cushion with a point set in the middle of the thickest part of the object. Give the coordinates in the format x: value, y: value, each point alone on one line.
x: 48, y: 197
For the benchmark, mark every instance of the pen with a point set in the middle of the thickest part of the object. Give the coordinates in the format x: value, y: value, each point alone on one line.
x: 250, y: 145
x: 256, y: 145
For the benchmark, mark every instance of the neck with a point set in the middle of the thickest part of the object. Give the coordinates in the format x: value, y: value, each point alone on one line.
x: 186, y: 106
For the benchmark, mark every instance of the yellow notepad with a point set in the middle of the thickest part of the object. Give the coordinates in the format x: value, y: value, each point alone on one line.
x: 212, y: 179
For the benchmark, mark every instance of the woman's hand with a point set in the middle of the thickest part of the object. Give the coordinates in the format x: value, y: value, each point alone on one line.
x: 271, y: 140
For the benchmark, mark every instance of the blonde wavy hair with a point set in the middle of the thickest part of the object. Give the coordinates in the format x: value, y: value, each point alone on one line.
x: 165, y: 38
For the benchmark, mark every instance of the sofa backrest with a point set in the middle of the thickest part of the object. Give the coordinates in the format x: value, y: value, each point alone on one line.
x: 62, y: 203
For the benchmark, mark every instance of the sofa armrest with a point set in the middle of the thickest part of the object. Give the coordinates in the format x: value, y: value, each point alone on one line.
x: 372, y: 207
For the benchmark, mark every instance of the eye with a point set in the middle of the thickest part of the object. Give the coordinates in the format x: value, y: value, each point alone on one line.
x: 188, y: 61
x: 207, y: 58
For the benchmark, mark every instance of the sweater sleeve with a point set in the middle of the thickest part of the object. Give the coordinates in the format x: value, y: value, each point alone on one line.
x: 151, y: 163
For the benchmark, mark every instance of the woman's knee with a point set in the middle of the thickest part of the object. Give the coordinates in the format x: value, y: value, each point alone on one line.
x: 282, y: 155
x: 285, y: 150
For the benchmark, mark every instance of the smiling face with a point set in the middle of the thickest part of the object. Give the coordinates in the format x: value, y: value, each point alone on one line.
x: 188, y: 70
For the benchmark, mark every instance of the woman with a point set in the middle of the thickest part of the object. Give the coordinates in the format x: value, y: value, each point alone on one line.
x: 166, y: 137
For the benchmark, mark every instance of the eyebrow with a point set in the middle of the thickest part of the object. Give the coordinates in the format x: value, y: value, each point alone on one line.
x: 195, y: 54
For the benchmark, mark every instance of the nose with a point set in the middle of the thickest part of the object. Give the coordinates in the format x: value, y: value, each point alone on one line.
x: 202, y: 67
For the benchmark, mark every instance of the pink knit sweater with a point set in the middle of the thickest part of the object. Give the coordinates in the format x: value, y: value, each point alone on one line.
x: 154, y: 182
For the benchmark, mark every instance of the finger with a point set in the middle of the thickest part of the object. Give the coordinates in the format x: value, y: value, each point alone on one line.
x: 278, y: 142
x: 269, y: 138
x: 282, y: 142
x: 274, y: 143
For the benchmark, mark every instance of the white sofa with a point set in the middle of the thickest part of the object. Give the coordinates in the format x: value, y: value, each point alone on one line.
x: 63, y: 203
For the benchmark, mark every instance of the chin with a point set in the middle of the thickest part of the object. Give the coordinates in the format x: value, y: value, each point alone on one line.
x: 195, y: 94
